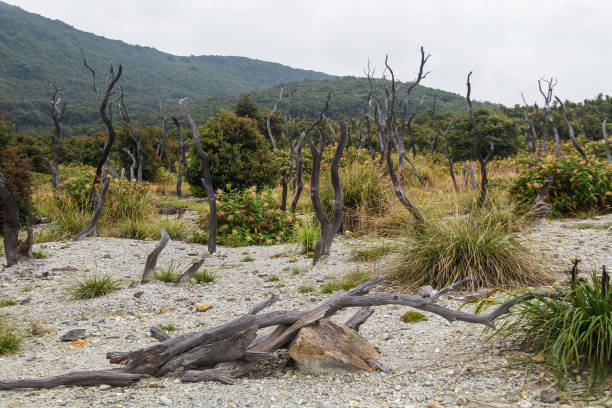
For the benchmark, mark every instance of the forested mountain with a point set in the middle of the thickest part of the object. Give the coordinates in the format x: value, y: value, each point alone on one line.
x: 35, y: 52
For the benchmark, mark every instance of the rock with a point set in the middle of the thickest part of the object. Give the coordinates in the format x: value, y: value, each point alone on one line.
x: 38, y: 329
x: 329, y: 347
x: 133, y: 284
x: 549, y: 395
x: 433, y: 405
x: 70, y: 322
x: 104, y: 387
x: 165, y: 401
x: 202, y: 308
x: 100, y: 320
x: 72, y: 335
x: 25, y: 301
x: 525, y: 404
x: 138, y: 294
x: 426, y: 291
x: 106, y: 256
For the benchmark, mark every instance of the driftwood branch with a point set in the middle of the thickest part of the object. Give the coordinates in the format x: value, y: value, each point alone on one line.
x: 149, y: 268
x: 110, y: 377
x: 188, y: 274
x: 159, y: 334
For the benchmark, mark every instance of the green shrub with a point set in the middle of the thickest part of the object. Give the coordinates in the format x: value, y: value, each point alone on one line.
x: 413, y: 317
x: 248, y: 259
x: 273, y: 278
x: 305, y: 289
x: 93, y: 286
x: 577, y: 185
x: 306, y: 235
x: 7, y: 302
x: 446, y: 251
x: 10, y: 339
x: 40, y: 254
x: 204, y: 277
x: 250, y: 218
x: 170, y: 327
x: 573, y: 330
x: 239, y: 155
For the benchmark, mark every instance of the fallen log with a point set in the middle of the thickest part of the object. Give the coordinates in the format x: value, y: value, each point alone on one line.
x: 226, y: 352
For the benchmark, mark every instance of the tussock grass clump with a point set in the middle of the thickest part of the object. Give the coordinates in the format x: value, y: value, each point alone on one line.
x: 305, y: 289
x: 10, y: 339
x: 348, y: 281
x: 7, y: 302
x: 273, y: 278
x: 306, y: 235
x: 371, y: 254
x: 413, y: 317
x: 204, y: 277
x: 170, y: 327
x: 93, y: 286
x: 572, y: 331
x: 447, y: 251
x: 170, y: 274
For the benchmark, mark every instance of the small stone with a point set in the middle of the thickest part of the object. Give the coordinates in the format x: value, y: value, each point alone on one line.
x: 133, y: 284
x: 202, y: 308
x: 106, y: 256
x: 165, y: 401
x: 426, y: 291
x: 31, y: 358
x: 100, y: 320
x: 105, y: 387
x: 72, y: 335
x: 398, y: 387
x: 192, y: 253
x: 525, y: 404
x: 25, y: 301
x: 69, y: 322
x: 549, y: 395
x: 138, y: 294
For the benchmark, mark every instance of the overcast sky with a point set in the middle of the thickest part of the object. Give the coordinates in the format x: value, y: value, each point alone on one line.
x: 508, y: 44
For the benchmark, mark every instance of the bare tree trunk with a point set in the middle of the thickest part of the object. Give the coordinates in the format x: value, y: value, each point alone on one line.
x: 604, y: 129
x: 149, y: 269
x: 547, y: 99
x: 111, y: 169
x: 298, y: 172
x: 182, y: 164
x: 133, y: 165
x: 269, y: 117
x: 571, y: 131
x: 206, y: 179
x: 482, y: 160
x: 188, y: 274
x: 92, y: 227
x: 329, y: 228
x: 10, y: 219
x: 403, y: 157
x: 164, y: 142
x: 471, y: 170
x: 30, y: 239
x: 56, y: 115
x: 134, y: 135
x: 284, y: 193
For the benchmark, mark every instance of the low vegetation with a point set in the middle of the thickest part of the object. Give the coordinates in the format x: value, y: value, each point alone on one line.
x: 204, y: 277
x: 371, y: 254
x: 169, y: 274
x: 349, y: 281
x: 93, y: 286
x: 10, y: 338
x: 306, y: 235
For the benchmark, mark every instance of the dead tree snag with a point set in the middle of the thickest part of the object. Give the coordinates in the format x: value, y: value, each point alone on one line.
x: 56, y: 115
x: 571, y: 130
x: 547, y: 99
x: 206, y: 178
x: 182, y: 164
x: 10, y: 219
x: 479, y: 140
x: 149, y: 269
x: 92, y: 228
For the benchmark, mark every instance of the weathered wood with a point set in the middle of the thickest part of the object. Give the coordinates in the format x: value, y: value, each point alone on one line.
x: 261, y: 306
x: 56, y: 115
x: 133, y: 165
x: 186, y: 276
x: 223, y: 372
x: 182, y: 163
x: 149, y: 268
x: 158, y: 334
x: 252, y: 355
x: 230, y: 348
x: 92, y: 227
x: 110, y: 377
x: 604, y: 129
x: 378, y: 365
x: 329, y: 227
x: 206, y: 178
x: 308, y: 319
x: 571, y: 130
x: 30, y: 238
x: 359, y: 318
x: 10, y: 219
x: 547, y: 99
x: 540, y: 207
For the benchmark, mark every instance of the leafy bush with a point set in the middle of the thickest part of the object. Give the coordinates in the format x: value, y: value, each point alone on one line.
x: 10, y: 339
x: 577, y: 185
x: 573, y: 330
x: 250, y: 218
x: 446, y: 251
x: 93, y: 286
x: 239, y: 155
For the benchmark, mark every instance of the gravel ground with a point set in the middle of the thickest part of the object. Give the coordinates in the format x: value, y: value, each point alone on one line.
x: 435, y: 363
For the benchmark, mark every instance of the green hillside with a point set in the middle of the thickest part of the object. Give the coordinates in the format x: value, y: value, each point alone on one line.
x: 36, y: 51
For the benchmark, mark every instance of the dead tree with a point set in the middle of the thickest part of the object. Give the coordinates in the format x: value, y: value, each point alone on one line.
x: 547, y: 99
x: 56, y: 115
x: 133, y: 133
x: 329, y: 227
x: 164, y: 142
x: 532, y: 142
x: 10, y: 221
x: 400, y: 139
x: 471, y: 170
x: 571, y: 130
x: 479, y: 140
x: 206, y: 178
x: 604, y: 129
x: 98, y: 200
x: 182, y: 163
x: 447, y: 155
x: 269, y: 117
x: 225, y: 352
x: 91, y: 229
x: 385, y: 121
x: 133, y: 165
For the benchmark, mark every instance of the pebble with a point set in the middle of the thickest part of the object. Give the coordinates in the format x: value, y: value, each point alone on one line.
x: 549, y: 395
x: 525, y: 404
x: 165, y: 401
